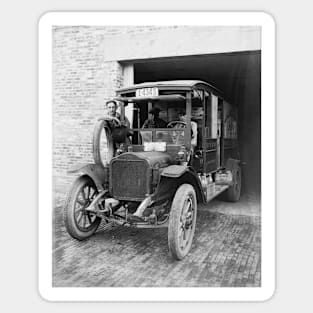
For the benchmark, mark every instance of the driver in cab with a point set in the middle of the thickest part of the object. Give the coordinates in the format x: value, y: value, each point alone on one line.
x: 154, y: 121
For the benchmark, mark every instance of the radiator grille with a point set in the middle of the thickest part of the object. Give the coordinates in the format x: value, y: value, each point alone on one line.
x: 129, y: 179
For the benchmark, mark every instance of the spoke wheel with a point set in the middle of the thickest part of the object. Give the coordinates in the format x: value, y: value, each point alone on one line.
x: 182, y: 221
x: 79, y: 222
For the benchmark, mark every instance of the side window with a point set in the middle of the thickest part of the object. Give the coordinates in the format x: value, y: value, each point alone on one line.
x: 211, y: 115
x: 197, y: 112
x: 207, y: 110
x: 214, y: 112
x: 219, y: 117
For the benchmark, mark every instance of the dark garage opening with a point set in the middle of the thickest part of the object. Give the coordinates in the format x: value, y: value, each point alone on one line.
x: 238, y: 75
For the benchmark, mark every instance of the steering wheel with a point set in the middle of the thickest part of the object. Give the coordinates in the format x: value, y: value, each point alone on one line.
x: 176, y: 124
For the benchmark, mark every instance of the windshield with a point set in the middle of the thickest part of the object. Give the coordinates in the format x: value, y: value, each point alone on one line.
x: 161, y: 116
x: 153, y: 115
x: 169, y: 136
x: 157, y: 121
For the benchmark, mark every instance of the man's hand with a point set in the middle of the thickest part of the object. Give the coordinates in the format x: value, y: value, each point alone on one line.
x: 112, y: 118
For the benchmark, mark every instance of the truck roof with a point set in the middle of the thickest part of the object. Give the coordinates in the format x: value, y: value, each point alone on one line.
x: 181, y: 84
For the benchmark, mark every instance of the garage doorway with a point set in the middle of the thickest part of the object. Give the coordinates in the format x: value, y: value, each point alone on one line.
x: 238, y: 75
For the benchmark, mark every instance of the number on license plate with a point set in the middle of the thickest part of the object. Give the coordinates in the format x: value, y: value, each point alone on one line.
x: 147, y: 92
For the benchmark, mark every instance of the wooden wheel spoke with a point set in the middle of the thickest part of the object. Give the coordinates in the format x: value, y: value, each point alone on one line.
x: 185, y: 212
x: 88, y: 192
x: 80, y: 202
x: 187, y: 206
x: 89, y: 218
x: 79, y: 218
x: 84, y: 221
x: 182, y: 220
x: 93, y: 194
x: 85, y: 191
x: 83, y: 194
x: 181, y: 238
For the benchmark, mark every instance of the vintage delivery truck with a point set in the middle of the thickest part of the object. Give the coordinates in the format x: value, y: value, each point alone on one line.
x: 145, y: 176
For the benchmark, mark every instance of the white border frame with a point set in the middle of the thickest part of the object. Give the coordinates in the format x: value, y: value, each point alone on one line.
x: 267, y: 288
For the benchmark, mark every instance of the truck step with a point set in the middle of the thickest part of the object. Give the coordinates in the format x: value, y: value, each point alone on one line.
x: 218, y: 189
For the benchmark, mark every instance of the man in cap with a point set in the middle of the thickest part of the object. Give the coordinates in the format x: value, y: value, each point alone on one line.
x: 120, y: 130
x: 113, y: 115
x: 154, y: 121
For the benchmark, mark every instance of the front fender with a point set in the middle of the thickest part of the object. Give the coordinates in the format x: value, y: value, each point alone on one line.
x: 98, y: 173
x: 172, y: 177
x: 174, y: 171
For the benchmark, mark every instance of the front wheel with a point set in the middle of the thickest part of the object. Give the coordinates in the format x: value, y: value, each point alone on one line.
x: 79, y: 222
x: 182, y: 221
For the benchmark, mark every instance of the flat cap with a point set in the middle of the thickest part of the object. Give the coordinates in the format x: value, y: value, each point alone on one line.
x: 155, y: 110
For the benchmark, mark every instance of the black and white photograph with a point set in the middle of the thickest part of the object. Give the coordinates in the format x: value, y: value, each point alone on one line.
x: 156, y: 155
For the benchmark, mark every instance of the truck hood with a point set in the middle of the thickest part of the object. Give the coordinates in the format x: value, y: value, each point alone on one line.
x: 154, y: 158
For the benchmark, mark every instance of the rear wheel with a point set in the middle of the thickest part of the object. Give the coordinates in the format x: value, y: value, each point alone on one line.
x: 79, y: 222
x: 233, y: 192
x: 182, y: 221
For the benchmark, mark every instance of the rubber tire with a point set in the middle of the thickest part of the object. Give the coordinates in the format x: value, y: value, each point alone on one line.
x: 233, y: 193
x: 102, y: 124
x: 69, y: 210
x: 174, y: 221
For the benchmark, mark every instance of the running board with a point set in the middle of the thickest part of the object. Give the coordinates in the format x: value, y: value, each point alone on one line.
x: 218, y: 189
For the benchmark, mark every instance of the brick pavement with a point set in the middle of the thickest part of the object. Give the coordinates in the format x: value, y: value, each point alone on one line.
x: 226, y: 252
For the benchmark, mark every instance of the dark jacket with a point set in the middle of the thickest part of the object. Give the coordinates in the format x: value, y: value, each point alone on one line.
x: 155, y: 123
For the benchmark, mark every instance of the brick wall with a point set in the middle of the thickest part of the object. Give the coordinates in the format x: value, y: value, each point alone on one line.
x: 82, y: 81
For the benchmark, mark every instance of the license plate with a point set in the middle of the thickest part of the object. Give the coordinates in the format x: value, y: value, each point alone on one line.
x: 147, y: 92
